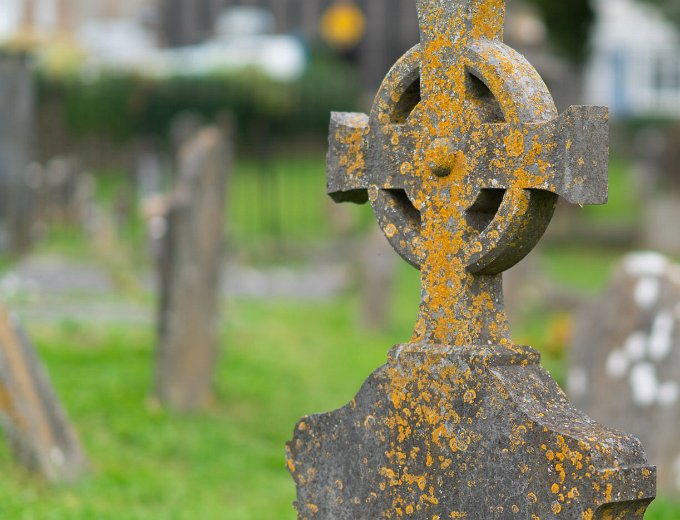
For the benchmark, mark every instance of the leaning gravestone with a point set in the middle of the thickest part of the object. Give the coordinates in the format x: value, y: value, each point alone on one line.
x: 36, y: 425
x: 625, y: 367
x: 190, y: 263
x: 463, y: 158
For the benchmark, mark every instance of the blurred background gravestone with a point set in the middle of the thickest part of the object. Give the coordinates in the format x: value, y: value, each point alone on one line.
x: 377, y: 267
x: 16, y: 138
x: 189, y: 273
x: 625, y: 359
x: 37, y: 428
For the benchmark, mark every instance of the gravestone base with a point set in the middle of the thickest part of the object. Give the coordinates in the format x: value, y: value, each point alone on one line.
x: 477, y: 433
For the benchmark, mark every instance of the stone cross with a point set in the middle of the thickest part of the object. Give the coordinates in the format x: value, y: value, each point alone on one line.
x: 463, y: 158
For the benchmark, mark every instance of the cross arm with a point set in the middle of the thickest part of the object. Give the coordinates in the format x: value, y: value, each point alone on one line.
x: 567, y: 156
x: 346, y: 161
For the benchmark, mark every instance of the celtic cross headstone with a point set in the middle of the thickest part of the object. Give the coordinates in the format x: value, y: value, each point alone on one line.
x: 463, y: 158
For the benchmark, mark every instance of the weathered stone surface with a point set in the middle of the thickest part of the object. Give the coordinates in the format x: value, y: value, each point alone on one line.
x: 625, y: 359
x: 38, y: 430
x: 464, y: 433
x: 190, y: 264
x: 463, y: 158
x: 16, y: 128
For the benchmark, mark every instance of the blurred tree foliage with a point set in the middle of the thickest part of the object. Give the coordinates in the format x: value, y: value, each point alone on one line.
x: 670, y: 8
x: 568, y: 25
x: 121, y: 105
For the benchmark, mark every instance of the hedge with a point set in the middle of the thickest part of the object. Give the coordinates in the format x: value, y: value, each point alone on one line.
x: 121, y: 105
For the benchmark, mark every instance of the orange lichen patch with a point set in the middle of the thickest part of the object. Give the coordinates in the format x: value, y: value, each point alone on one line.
x: 406, y: 168
x: 608, y: 492
x: 514, y: 143
x: 487, y: 20
x: 470, y: 396
x: 354, y: 159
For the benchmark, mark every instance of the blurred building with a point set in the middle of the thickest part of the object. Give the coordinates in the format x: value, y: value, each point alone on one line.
x: 115, y: 32
x: 391, y: 26
x: 387, y: 29
x: 48, y: 19
x: 187, y: 22
x: 212, y: 33
x: 635, y: 63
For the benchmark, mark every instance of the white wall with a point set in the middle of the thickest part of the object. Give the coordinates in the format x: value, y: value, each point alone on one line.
x: 635, y: 62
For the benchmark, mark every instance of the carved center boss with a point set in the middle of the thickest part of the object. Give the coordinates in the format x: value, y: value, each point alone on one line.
x: 462, y: 159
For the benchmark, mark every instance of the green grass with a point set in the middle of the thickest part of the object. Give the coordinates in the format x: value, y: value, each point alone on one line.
x: 280, y: 362
x: 625, y: 205
x: 581, y: 269
x: 281, y: 198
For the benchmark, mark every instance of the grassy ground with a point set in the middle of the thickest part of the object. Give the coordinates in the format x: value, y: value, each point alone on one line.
x: 280, y: 362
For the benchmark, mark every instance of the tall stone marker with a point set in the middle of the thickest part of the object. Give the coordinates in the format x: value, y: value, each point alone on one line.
x: 16, y: 131
x: 462, y: 159
x: 632, y: 379
x: 190, y: 265
x: 38, y: 430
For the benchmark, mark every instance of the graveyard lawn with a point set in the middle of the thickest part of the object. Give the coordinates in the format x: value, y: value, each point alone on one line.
x: 281, y: 359
x: 227, y: 463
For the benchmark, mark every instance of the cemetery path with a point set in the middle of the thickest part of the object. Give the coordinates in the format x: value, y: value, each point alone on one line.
x: 54, y: 288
